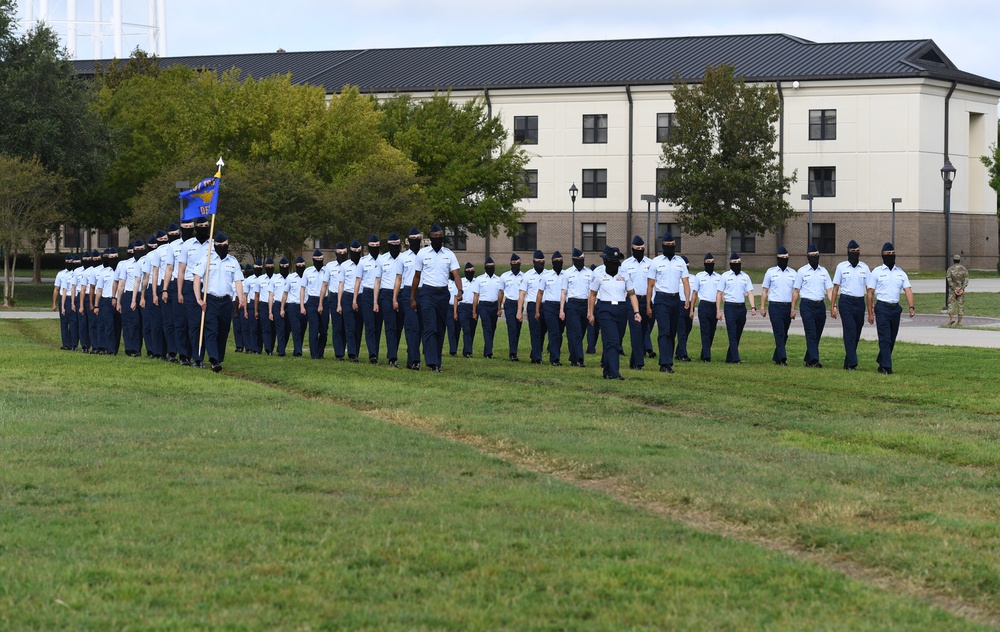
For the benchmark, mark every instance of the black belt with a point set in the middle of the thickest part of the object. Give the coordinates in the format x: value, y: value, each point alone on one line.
x: 219, y: 298
x: 779, y: 303
x: 551, y: 302
x: 736, y: 304
x: 853, y: 298
x: 583, y: 300
x: 481, y: 302
x: 810, y: 300
x: 669, y: 294
x: 896, y: 304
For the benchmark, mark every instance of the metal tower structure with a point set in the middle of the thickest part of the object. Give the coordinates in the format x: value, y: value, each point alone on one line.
x: 126, y: 25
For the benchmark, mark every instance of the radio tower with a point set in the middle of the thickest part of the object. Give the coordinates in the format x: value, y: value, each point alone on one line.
x: 126, y: 25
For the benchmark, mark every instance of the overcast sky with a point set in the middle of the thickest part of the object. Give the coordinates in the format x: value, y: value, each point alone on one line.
x: 966, y: 30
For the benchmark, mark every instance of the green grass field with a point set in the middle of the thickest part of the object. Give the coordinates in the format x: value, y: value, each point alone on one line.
x: 292, y: 494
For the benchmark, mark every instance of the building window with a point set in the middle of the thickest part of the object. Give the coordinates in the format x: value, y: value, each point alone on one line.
x: 531, y: 179
x: 742, y: 243
x: 526, y: 237
x: 71, y: 238
x: 665, y: 123
x: 675, y: 231
x: 823, y: 181
x: 822, y: 124
x: 595, y: 237
x: 526, y: 130
x: 107, y: 238
x: 455, y: 239
x: 595, y: 128
x: 824, y: 237
x: 662, y: 174
x: 595, y: 183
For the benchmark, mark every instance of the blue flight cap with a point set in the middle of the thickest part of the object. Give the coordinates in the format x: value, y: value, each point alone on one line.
x: 283, y: 262
x: 355, y: 244
x: 161, y: 233
x: 667, y: 236
x: 299, y: 260
x: 152, y: 241
x: 69, y: 257
x: 709, y: 256
x: 138, y: 242
x: 269, y: 261
x: 468, y: 264
x: 852, y: 245
x: 557, y: 255
x: 173, y: 228
x: 393, y: 238
x: 613, y: 254
x: 256, y: 263
x: 414, y: 232
x: 888, y: 246
x: 812, y: 248
x: 782, y: 251
x: 110, y: 251
x: 248, y: 268
x: 489, y: 260
x: 538, y: 255
x: 95, y: 253
x: 373, y: 239
x: 341, y: 246
x: 221, y: 236
x: 734, y: 256
x: 577, y: 253
x: 606, y: 249
x: 436, y: 229
x: 514, y: 257
x: 637, y: 241
x: 317, y: 254
x: 201, y: 219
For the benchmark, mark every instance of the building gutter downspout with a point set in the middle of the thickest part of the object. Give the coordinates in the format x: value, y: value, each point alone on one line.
x: 631, y: 113
x: 489, y: 115
x: 944, y: 202
x: 781, y: 147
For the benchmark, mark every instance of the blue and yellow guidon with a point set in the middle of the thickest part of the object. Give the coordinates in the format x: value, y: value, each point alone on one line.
x: 201, y: 200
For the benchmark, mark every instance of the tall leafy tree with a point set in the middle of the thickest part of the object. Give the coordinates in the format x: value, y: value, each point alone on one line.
x: 472, y: 177
x: 722, y: 166
x: 45, y: 112
x: 992, y: 163
x: 34, y: 202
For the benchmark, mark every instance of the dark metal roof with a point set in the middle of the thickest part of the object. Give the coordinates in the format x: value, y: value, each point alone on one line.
x: 593, y: 63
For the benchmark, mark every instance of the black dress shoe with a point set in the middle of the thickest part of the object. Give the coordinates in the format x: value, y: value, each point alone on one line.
x: 635, y: 367
x: 488, y: 356
x: 684, y: 359
x: 884, y: 371
x: 239, y: 349
x: 706, y: 359
x: 217, y: 368
x: 185, y: 363
x: 536, y: 361
x: 436, y: 368
x: 651, y: 354
x: 556, y: 363
x: 514, y: 358
x: 373, y: 359
x: 850, y: 368
x: 199, y: 365
x: 591, y: 351
x: 466, y: 355
x: 666, y: 368
x: 454, y: 353
x: 393, y: 363
x: 353, y: 358
x: 414, y: 367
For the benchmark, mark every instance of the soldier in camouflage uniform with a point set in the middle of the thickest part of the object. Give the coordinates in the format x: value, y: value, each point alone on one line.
x: 958, y: 278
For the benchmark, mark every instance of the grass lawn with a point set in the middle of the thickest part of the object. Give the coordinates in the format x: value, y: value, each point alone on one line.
x: 288, y: 493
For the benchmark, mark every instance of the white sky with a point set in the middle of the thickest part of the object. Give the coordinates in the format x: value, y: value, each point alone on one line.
x: 964, y: 29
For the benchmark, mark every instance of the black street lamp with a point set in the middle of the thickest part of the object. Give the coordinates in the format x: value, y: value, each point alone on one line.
x: 894, y: 202
x: 948, y: 175
x: 572, y: 198
x: 809, y: 237
x: 650, y: 199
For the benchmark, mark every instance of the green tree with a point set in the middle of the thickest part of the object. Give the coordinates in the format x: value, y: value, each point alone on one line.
x: 472, y: 178
x: 992, y: 163
x: 45, y: 112
x: 722, y: 166
x: 35, y: 201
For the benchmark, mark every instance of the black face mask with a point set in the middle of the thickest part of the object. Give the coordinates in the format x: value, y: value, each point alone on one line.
x: 490, y: 270
x: 578, y: 264
x: 414, y: 244
x: 710, y: 267
x: 300, y: 269
x: 187, y: 232
x: 853, y: 258
x: 515, y: 269
x: 437, y: 243
x: 557, y: 266
x: 137, y: 253
x: 813, y: 261
x: 393, y: 250
x: 638, y: 254
x: 269, y: 271
x: 201, y: 232
x: 889, y: 260
x: 284, y: 271
x: 318, y: 263
x: 736, y: 267
x: 355, y: 256
x: 783, y: 262
x: 173, y: 236
x: 222, y: 250
x: 162, y: 242
x: 373, y: 251
x: 539, y: 266
x: 470, y: 274
x: 612, y: 267
x: 341, y: 257
x: 668, y: 251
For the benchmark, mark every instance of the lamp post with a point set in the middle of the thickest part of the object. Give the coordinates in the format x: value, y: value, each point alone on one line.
x: 809, y: 196
x: 649, y: 200
x: 948, y: 176
x: 182, y: 185
x: 572, y: 218
x: 894, y: 202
